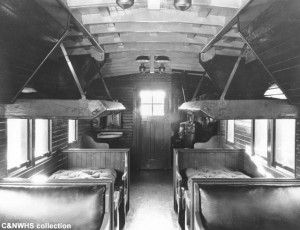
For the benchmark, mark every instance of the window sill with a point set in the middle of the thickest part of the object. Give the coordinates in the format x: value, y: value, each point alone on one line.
x: 21, y: 171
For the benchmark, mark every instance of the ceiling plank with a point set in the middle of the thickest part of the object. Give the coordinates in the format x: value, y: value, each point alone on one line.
x: 70, y: 109
x: 233, y: 4
x: 143, y: 15
x: 239, y: 109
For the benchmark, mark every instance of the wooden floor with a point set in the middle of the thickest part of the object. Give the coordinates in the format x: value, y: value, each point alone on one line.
x: 151, y: 198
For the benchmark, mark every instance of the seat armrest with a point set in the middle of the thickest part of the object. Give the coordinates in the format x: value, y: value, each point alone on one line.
x: 125, y: 176
x: 198, y: 223
x: 105, y: 222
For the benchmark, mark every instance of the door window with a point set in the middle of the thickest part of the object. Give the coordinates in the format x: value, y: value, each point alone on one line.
x: 152, y: 103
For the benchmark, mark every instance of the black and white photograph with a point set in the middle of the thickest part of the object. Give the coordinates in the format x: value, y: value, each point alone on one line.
x: 150, y: 114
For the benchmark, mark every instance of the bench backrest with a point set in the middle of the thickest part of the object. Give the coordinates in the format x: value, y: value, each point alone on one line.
x: 101, y: 158
x: 80, y: 206
x: 268, y: 205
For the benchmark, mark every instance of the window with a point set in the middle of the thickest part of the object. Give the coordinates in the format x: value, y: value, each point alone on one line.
x: 41, y: 137
x: 72, y: 131
x: 261, y: 138
x: 152, y: 103
x: 17, y: 143
x: 230, y: 131
x: 285, y: 144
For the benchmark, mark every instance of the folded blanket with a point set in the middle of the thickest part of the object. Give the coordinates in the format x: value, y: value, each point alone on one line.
x: 85, y: 173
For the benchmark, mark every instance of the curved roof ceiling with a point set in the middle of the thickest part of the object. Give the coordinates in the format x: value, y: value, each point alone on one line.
x: 141, y: 30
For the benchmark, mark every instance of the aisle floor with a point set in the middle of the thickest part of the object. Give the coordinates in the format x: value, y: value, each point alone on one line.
x: 151, y: 198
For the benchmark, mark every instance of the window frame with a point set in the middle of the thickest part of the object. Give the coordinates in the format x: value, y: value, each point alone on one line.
x: 271, y: 148
x: 233, y: 130
x: 152, y: 116
x: 276, y: 164
x: 75, y: 131
x: 49, y: 137
x: 32, y: 161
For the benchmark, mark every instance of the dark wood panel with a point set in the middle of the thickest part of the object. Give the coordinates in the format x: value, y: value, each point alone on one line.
x: 274, y: 37
x: 27, y: 34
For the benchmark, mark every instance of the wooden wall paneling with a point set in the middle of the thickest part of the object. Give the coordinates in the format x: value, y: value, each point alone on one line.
x: 274, y: 37
x: 22, y: 43
x: 3, y: 149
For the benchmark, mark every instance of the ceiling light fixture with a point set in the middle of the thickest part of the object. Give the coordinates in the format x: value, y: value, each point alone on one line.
x: 142, y: 59
x: 162, y: 68
x: 162, y: 59
x: 125, y: 4
x: 142, y: 68
x: 182, y: 4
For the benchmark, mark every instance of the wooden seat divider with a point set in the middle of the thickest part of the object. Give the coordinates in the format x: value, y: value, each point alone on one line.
x: 235, y: 159
x: 118, y: 159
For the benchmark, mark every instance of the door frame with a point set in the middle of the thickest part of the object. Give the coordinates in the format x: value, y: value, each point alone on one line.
x: 167, y: 87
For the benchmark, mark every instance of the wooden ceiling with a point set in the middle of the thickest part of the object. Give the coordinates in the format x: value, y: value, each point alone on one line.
x: 181, y: 35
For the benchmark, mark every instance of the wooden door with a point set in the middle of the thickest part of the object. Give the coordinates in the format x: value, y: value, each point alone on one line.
x: 153, y: 130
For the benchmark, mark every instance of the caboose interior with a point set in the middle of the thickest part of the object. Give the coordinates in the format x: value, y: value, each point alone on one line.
x: 154, y: 87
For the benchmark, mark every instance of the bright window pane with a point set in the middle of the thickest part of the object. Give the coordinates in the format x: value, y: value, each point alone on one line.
x: 41, y: 139
x: 261, y: 138
x: 17, y: 130
x: 152, y: 103
x: 146, y: 110
x: 158, y: 97
x: 158, y: 110
x: 72, y: 131
x: 285, y: 142
x: 146, y: 97
x: 230, y: 131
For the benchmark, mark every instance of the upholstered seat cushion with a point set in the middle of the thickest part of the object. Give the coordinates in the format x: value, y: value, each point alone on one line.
x: 80, y: 207
x: 250, y: 207
x: 85, y: 173
x: 211, y: 172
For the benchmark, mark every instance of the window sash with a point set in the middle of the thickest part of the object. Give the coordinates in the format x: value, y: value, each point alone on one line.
x: 72, y: 131
x: 230, y: 131
x: 17, y: 145
x: 41, y: 138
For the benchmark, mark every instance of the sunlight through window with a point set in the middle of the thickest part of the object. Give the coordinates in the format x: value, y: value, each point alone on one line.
x: 41, y: 140
x: 72, y: 131
x: 152, y: 103
x: 17, y: 146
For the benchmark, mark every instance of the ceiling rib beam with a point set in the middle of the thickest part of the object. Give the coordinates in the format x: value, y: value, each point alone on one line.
x: 156, y: 49
x: 150, y: 46
x: 242, y: 109
x: 226, y: 28
x: 235, y: 67
x: 148, y: 38
x: 72, y: 71
x: 141, y: 15
x: 156, y: 28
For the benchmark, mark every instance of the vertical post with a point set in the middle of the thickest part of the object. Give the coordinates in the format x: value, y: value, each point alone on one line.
x: 72, y: 71
x: 235, y: 67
